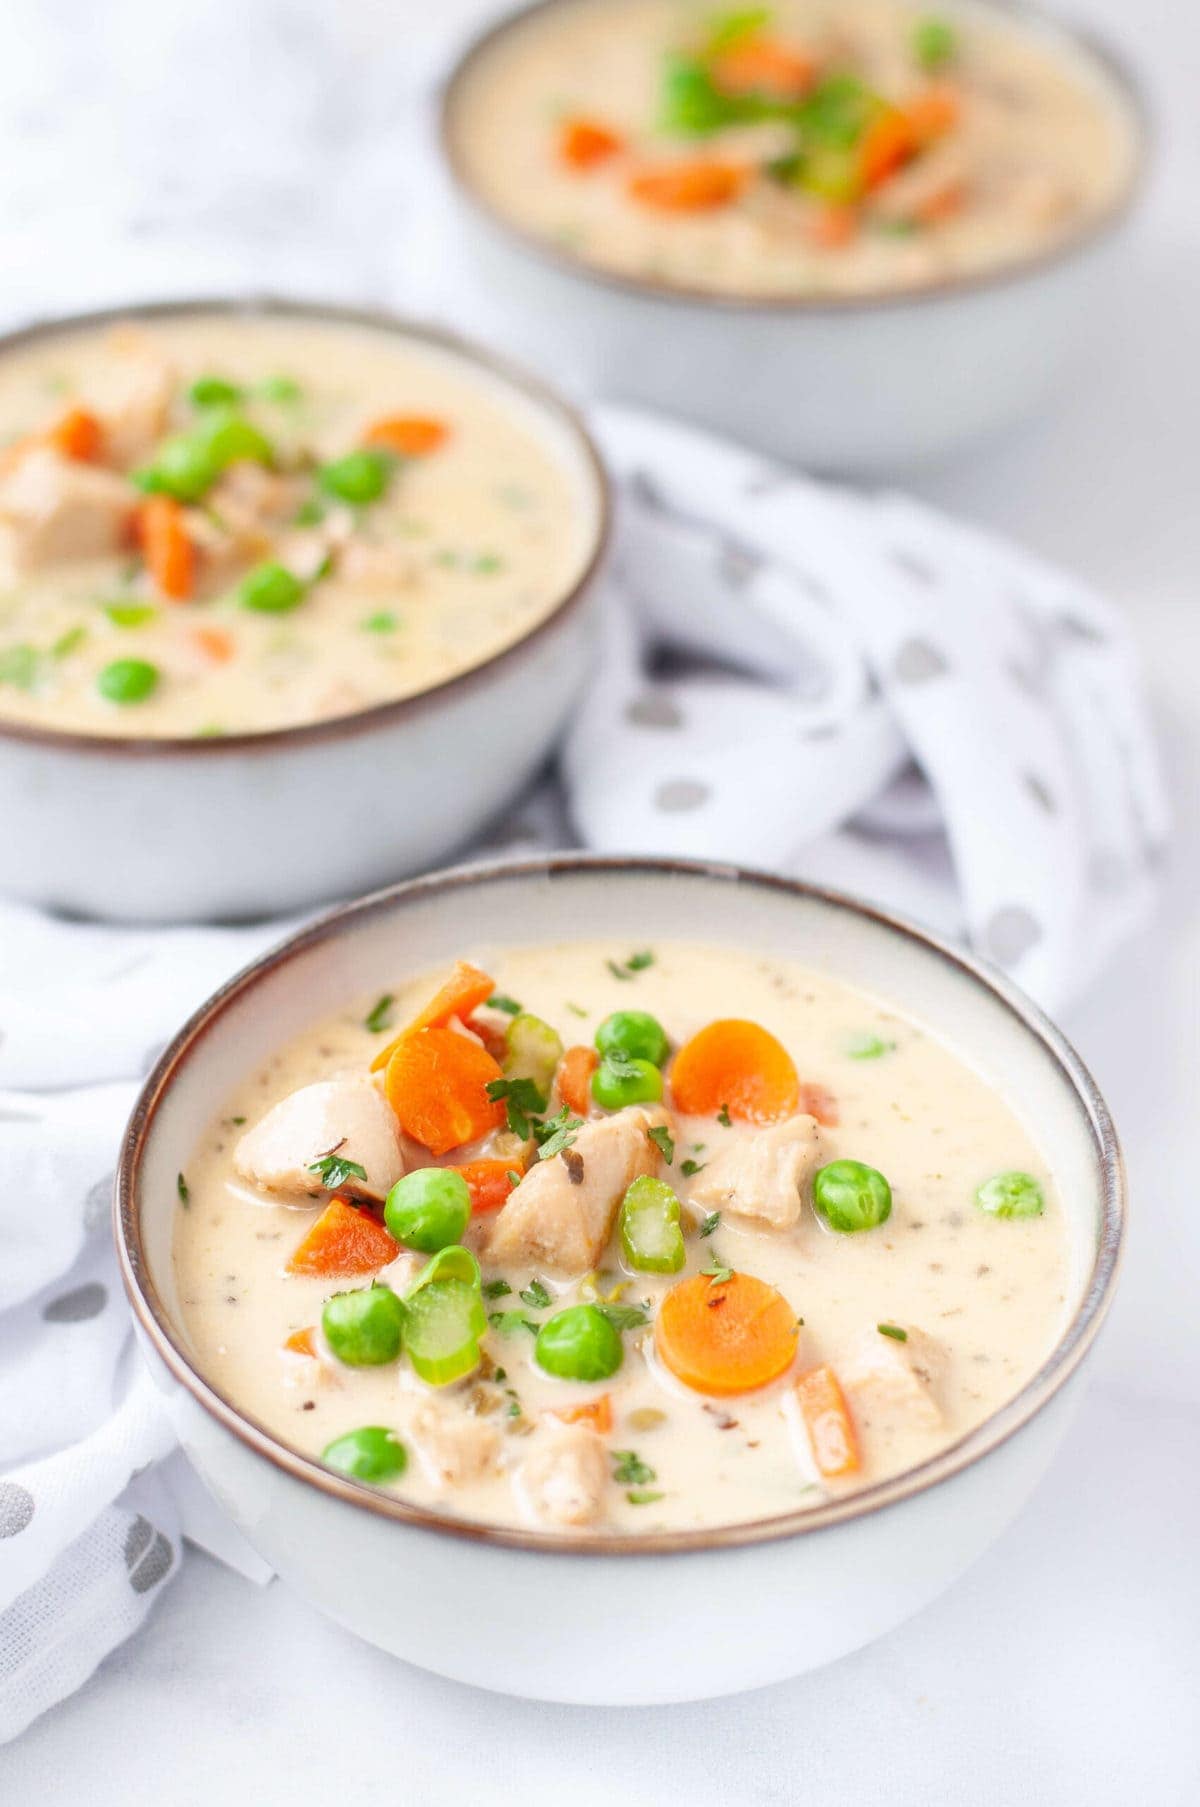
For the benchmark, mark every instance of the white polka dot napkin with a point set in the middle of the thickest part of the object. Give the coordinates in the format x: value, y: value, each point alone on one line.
x: 845, y: 687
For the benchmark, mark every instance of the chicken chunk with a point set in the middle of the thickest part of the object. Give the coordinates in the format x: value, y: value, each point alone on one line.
x: 562, y: 1480
x: 56, y: 509
x: 561, y: 1215
x: 762, y: 1173
x: 253, y: 503
x: 131, y: 392
x: 892, y: 1378
x: 454, y: 1445
x: 346, y: 1117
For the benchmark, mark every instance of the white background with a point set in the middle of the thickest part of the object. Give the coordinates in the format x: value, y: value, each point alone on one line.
x: 152, y: 147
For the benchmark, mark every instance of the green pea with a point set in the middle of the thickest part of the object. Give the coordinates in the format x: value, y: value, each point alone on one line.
x: 618, y: 1081
x: 635, y: 1033
x: 370, y: 1454
x: 851, y: 1196
x: 364, y: 1328
x: 228, y: 436
x: 271, y: 589
x: 127, y: 680
x: 1012, y: 1194
x: 579, y: 1344
x: 359, y: 477
x: 213, y: 392
x: 428, y: 1209
x: 130, y: 614
x: 184, y: 467
x: 281, y: 389
x: 934, y: 42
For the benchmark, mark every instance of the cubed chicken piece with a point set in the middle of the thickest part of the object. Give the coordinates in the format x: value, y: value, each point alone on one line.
x: 762, y: 1173
x: 890, y: 1378
x: 561, y: 1215
x: 454, y: 1445
x: 219, y: 555
x: 131, y: 392
x: 253, y: 502
x: 56, y: 509
x: 348, y: 1118
x: 562, y: 1480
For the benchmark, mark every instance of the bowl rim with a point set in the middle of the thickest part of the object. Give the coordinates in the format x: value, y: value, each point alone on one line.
x: 1072, y: 1345
x: 1018, y: 14
x: 251, y: 305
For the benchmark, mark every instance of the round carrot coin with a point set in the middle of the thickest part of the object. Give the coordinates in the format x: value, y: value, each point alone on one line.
x: 738, y: 1067
x: 725, y: 1336
x: 436, y: 1082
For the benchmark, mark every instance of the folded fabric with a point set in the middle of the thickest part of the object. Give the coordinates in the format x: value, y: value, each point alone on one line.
x: 849, y: 688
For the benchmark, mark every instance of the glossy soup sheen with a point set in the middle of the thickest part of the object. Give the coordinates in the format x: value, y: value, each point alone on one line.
x: 981, y: 1299
x: 808, y: 148
x: 125, y: 610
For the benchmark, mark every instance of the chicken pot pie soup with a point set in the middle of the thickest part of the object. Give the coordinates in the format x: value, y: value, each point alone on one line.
x: 231, y: 522
x: 801, y: 149
x: 619, y: 1238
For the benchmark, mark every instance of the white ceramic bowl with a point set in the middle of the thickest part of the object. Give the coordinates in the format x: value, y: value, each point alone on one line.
x: 162, y: 830
x: 668, y: 1616
x: 864, y: 384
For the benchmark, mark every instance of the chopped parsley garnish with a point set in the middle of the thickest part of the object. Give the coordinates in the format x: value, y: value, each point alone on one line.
x: 556, y: 1133
x: 869, y: 1047
x: 535, y: 1295
x: 333, y: 1170
x: 68, y: 643
x: 509, y: 1006
x: 576, y: 1009
x: 643, y: 1496
x: 711, y: 1222
x: 894, y: 1331
x: 689, y: 1167
x: 238, y: 1120
x: 522, y: 1100
x: 629, y: 1469
x: 495, y: 1289
x: 716, y: 1270
x: 625, y: 1317
x: 181, y: 1186
x: 661, y: 1136
x: 636, y: 963
x: 723, y: 1117
x: 379, y: 1017
x: 513, y: 1177
x: 384, y: 622
x: 19, y: 667
x: 506, y: 1322
x: 487, y: 564
x: 309, y: 514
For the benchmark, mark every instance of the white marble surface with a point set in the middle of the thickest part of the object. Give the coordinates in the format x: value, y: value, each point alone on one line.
x: 159, y: 148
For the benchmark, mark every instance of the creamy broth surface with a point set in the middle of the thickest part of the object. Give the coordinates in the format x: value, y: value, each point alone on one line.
x: 477, y: 531
x: 990, y: 1295
x: 1009, y: 142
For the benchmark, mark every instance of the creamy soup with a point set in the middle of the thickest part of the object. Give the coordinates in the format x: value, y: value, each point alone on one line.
x: 801, y: 149
x: 618, y: 1238
x: 218, y: 523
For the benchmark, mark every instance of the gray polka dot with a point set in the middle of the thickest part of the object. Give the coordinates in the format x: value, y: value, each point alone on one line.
x: 98, y: 1203
x: 917, y: 662
x: 1041, y: 793
x: 1077, y: 629
x: 654, y: 711
x: 73, y: 1307
x: 148, y: 1556
x: 16, y: 1508
x: 912, y: 565
x: 1011, y: 932
x: 679, y: 794
x: 645, y: 490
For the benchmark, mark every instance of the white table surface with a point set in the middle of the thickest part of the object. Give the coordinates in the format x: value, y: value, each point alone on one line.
x: 1066, y: 1666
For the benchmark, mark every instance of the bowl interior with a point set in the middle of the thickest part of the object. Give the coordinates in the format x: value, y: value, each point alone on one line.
x: 476, y: 910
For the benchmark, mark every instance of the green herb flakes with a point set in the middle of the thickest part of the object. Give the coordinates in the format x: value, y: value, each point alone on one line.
x: 498, y: 1001
x: 379, y: 1017
x: 535, y: 1295
x: 894, y: 1331
x: 629, y: 1470
x: 661, y: 1136
x: 333, y: 1170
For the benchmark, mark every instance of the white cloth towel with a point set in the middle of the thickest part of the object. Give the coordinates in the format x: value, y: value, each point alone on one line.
x: 849, y: 688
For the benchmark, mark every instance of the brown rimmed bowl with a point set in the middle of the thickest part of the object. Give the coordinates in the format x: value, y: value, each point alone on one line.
x: 669, y: 1615
x: 244, y: 825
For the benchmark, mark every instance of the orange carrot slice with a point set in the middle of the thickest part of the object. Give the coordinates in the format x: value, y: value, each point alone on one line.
x: 464, y: 991
x: 408, y: 435
x: 488, y: 1182
x: 217, y: 642
x: 575, y: 1071
x: 343, y: 1241
x: 725, y: 1336
x: 736, y: 1066
x: 828, y: 1422
x: 694, y: 187
x: 596, y: 1412
x: 170, y: 555
x: 78, y: 435
x: 302, y: 1342
x: 583, y: 143
x: 833, y: 226
x: 762, y: 65
x: 436, y: 1082
x: 887, y: 145
x: 934, y: 112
